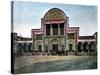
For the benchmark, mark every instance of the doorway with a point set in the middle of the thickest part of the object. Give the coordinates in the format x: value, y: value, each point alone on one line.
x: 70, y: 47
x: 54, y: 48
x: 40, y: 48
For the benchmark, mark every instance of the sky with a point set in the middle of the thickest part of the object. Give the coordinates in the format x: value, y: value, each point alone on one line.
x: 27, y: 15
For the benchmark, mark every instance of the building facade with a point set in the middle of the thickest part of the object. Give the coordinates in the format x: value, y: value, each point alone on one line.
x: 55, y: 35
x: 21, y: 45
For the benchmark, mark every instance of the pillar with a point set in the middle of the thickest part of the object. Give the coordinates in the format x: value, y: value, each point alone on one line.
x: 45, y: 29
x: 58, y: 29
x: 51, y: 30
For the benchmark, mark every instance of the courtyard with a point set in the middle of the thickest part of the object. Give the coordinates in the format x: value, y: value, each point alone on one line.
x: 35, y: 64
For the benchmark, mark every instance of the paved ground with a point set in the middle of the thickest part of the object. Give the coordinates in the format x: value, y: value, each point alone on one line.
x: 58, y: 63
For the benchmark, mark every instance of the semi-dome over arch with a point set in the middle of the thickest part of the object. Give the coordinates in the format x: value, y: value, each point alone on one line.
x: 55, y: 14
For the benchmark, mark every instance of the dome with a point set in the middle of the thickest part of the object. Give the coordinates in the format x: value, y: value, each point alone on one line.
x: 55, y: 14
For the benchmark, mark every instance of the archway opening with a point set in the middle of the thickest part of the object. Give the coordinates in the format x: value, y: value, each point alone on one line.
x: 30, y: 47
x: 25, y: 47
x: 55, y: 44
x: 19, y: 49
x: 91, y: 47
x: 40, y: 48
x: 79, y: 47
x: 70, y: 47
x: 85, y: 47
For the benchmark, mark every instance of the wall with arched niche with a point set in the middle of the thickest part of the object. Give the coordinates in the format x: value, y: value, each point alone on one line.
x: 37, y: 43
x: 70, y: 41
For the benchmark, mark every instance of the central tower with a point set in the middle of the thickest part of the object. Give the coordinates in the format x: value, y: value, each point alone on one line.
x: 55, y: 35
x: 55, y: 24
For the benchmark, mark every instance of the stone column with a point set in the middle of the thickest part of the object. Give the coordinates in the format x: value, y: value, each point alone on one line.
x: 45, y: 29
x: 58, y: 29
x: 82, y: 48
x: 59, y: 45
x: 51, y: 30
x: 65, y: 28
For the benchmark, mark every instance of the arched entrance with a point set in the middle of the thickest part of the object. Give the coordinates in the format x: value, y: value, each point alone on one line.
x: 55, y: 44
x: 39, y: 46
x: 85, y: 47
x: 19, y: 49
x: 30, y: 47
x: 55, y: 47
x: 70, y: 47
x: 79, y: 47
x: 91, y: 47
x: 25, y: 47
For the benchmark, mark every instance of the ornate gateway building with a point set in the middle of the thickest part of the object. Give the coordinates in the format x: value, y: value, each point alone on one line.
x: 55, y: 35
